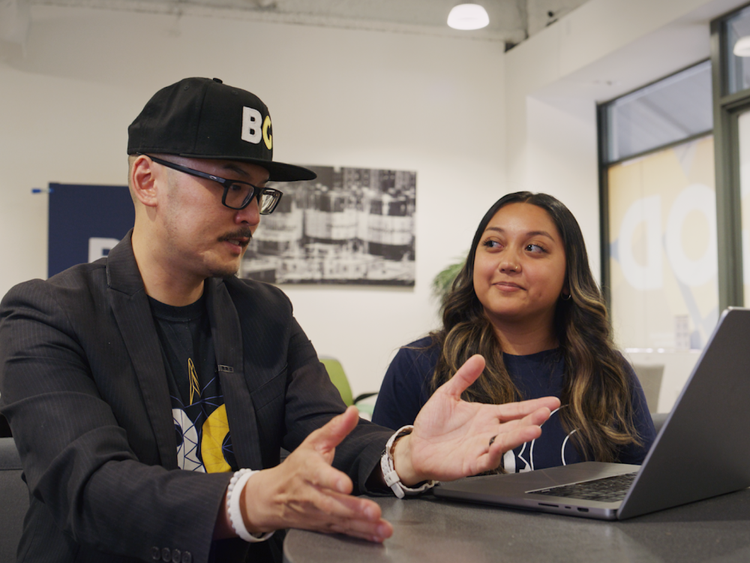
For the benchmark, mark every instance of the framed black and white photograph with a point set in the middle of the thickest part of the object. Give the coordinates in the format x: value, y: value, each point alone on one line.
x: 348, y: 226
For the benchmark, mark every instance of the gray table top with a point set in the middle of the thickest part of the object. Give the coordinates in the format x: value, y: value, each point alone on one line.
x: 436, y: 531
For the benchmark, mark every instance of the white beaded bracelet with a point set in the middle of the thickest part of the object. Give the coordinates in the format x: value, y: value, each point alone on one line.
x: 389, y: 471
x: 233, y: 507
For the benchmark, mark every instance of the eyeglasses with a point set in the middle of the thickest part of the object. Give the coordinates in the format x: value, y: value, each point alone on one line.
x: 237, y: 194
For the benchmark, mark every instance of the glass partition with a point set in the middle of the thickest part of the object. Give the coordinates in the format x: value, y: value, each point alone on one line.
x: 668, y: 111
x: 743, y: 122
x: 663, y: 250
x: 736, y: 39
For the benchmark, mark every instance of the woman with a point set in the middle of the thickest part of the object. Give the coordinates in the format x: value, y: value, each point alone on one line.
x: 526, y: 300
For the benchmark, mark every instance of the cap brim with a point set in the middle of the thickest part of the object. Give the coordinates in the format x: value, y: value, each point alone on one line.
x: 278, y: 171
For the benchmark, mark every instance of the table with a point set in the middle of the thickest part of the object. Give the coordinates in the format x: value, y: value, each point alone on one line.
x: 434, y: 530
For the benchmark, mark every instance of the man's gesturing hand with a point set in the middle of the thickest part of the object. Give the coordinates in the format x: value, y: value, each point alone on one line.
x: 306, y: 492
x: 453, y: 438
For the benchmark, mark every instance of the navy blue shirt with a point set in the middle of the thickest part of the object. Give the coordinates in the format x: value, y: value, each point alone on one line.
x: 406, y: 388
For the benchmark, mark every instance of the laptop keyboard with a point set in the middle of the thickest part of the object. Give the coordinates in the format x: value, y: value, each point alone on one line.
x: 607, y: 489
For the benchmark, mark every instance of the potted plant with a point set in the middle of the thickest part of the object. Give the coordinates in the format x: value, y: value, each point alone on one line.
x: 442, y: 282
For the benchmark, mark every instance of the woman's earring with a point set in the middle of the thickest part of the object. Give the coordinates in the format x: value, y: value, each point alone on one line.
x: 565, y: 296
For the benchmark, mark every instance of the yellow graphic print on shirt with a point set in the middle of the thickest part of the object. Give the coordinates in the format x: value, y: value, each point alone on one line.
x: 215, y: 430
x: 212, y: 435
x: 193, y: 377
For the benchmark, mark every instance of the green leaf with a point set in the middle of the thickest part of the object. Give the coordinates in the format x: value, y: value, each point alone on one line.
x: 442, y: 282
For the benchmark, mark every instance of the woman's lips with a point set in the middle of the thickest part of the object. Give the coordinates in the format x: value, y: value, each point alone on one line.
x: 507, y: 286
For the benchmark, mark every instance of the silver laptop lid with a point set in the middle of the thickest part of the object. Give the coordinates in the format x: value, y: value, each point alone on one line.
x: 702, y: 449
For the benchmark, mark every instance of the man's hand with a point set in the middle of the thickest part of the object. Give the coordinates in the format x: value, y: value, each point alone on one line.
x: 306, y: 492
x: 453, y: 438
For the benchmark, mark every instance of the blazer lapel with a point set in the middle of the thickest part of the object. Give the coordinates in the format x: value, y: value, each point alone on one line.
x: 133, y: 314
x: 227, y: 337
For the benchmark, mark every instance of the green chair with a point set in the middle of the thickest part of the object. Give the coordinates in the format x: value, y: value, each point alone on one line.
x: 338, y: 378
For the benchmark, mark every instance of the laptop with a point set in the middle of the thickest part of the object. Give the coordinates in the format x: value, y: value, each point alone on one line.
x: 700, y: 452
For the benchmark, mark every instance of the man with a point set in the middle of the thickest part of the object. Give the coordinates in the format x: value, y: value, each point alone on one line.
x: 150, y: 392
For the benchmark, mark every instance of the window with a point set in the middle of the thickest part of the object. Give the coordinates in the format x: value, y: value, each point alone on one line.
x: 668, y: 111
x: 663, y: 262
x: 731, y: 62
x: 735, y: 35
x: 659, y: 213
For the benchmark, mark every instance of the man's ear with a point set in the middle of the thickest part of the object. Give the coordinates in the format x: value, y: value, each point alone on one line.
x: 143, y: 181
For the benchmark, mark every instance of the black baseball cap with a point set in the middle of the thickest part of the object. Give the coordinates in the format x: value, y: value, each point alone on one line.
x: 205, y: 118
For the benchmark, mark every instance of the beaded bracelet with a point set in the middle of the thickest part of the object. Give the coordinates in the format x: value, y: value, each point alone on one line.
x: 233, y: 507
x: 389, y: 471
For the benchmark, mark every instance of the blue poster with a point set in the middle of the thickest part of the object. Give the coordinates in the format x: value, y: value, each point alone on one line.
x: 85, y: 222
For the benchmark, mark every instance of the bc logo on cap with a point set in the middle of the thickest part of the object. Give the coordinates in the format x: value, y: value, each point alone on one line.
x: 252, y: 131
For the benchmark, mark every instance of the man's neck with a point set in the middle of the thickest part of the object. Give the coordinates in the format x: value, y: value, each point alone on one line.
x: 166, y: 292
x: 160, y: 282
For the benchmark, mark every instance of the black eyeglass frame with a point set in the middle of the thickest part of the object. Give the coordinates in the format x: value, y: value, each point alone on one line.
x: 256, y: 192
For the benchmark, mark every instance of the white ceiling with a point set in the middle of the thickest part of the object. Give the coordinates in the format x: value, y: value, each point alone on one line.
x: 511, y: 21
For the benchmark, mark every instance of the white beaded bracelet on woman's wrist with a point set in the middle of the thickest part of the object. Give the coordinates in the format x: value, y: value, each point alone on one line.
x: 234, y: 495
x: 389, y: 471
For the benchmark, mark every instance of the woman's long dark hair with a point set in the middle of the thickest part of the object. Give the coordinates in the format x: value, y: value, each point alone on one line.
x: 596, y: 391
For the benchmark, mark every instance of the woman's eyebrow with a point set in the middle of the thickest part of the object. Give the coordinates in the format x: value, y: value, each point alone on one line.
x: 527, y: 235
x: 540, y: 234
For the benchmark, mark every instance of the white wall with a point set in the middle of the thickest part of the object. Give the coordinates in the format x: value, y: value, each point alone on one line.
x: 338, y: 97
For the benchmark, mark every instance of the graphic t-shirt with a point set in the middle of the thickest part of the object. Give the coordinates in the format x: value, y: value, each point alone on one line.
x: 200, y: 418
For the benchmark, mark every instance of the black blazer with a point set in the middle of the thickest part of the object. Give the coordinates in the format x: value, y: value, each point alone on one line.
x: 83, y: 385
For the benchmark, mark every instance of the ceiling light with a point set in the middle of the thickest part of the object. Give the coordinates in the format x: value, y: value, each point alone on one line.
x: 742, y: 47
x: 468, y: 16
